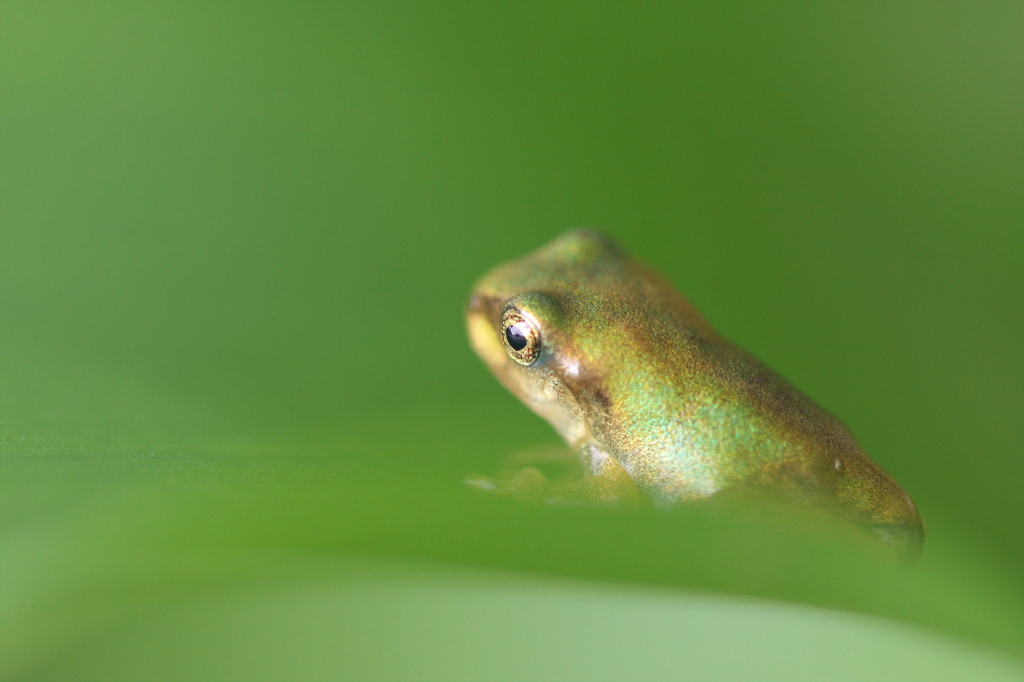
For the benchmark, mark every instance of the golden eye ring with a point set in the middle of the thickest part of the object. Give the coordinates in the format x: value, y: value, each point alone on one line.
x: 520, y: 336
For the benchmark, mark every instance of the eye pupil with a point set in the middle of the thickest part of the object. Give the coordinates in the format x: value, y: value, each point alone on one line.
x: 516, y: 338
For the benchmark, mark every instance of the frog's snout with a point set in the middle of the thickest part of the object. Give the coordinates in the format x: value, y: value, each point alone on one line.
x: 481, y: 318
x: 475, y: 304
x: 484, y: 305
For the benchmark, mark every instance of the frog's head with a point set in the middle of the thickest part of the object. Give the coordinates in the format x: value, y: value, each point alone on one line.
x: 568, y: 327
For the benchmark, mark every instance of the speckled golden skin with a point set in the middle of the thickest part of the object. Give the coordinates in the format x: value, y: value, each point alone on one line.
x: 650, y: 397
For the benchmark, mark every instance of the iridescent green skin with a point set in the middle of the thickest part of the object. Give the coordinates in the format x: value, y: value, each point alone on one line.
x: 647, y: 393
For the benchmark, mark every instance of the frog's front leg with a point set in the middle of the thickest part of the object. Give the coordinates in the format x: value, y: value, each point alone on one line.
x: 559, y: 478
x: 606, y: 483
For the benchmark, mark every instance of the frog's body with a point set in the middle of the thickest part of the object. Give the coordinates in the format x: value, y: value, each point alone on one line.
x: 651, y: 397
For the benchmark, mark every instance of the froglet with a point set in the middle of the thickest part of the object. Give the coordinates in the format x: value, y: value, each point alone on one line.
x: 655, y: 403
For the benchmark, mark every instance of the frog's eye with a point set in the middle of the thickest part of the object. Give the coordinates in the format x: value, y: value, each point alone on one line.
x: 520, y: 337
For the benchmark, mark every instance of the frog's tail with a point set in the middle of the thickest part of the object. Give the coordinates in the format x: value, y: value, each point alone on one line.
x: 872, y: 499
x: 907, y: 540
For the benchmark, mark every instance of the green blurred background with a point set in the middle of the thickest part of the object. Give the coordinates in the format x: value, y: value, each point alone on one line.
x: 236, y: 400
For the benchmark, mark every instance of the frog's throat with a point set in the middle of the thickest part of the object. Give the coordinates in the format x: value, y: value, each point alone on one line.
x: 557, y: 404
x: 542, y: 392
